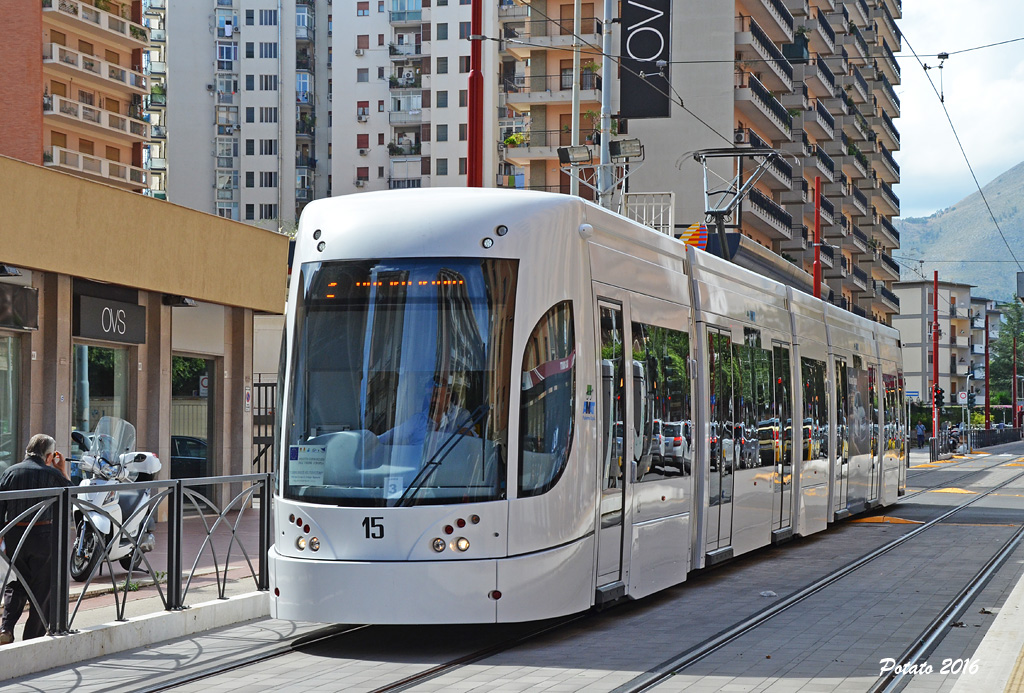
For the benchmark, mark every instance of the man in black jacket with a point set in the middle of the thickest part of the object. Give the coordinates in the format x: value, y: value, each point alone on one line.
x: 43, y: 467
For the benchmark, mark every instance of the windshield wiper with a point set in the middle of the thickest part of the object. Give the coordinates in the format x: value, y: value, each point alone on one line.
x: 438, y: 457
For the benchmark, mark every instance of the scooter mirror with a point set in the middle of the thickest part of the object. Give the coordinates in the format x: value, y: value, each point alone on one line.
x: 80, y: 438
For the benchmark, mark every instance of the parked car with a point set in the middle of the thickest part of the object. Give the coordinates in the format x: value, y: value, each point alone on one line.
x: 188, y: 457
x: 677, y: 444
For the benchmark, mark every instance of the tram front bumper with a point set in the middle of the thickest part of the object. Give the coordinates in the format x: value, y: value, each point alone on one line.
x: 382, y: 592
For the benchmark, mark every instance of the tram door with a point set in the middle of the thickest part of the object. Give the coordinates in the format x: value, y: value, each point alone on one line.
x: 842, y: 437
x: 615, y: 435
x: 721, y: 460
x: 782, y: 496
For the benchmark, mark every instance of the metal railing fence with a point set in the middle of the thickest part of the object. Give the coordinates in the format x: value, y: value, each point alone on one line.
x: 211, y: 540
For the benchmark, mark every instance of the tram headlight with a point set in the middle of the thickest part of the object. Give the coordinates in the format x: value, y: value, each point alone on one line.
x: 462, y: 544
x: 314, y: 544
x: 300, y: 543
x: 438, y: 544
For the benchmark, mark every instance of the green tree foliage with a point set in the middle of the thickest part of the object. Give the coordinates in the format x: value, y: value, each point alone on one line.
x: 1001, y: 351
x: 185, y: 373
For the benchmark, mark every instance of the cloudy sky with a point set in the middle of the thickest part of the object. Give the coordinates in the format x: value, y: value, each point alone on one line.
x: 984, y: 94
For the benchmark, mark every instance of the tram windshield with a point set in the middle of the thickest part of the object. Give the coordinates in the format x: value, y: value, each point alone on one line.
x: 399, y: 382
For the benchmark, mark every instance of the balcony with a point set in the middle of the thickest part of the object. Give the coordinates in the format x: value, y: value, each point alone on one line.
x: 405, y: 82
x: 779, y: 172
x: 95, y: 168
x: 758, y: 105
x: 859, y: 238
x: 886, y: 26
x: 824, y: 163
x: 521, y: 148
x: 886, y: 299
x: 889, y: 170
x: 304, y: 97
x: 158, y: 99
x: 156, y: 164
x: 753, y: 44
x: 405, y: 51
x: 819, y: 122
x: 860, y: 14
x: 774, y: 18
x: 886, y: 63
x: 766, y: 215
x: 158, y: 132
x: 415, y: 116
x: 886, y: 95
x: 858, y: 200
x: 523, y: 92
x: 885, y: 200
x: 823, y: 38
x: 156, y: 67
x: 887, y: 132
x: 860, y: 277
x: 104, y: 26
x: 817, y: 76
x: 855, y: 163
x: 106, y: 123
x: 889, y: 266
x: 857, y: 47
x: 304, y: 32
x: 157, y: 36
x: 406, y: 18
x: 550, y: 34
x: 92, y: 70
x: 405, y: 149
x: 861, y: 92
x: 154, y: 7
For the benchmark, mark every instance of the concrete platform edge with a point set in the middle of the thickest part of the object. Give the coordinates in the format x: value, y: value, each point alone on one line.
x: 29, y: 657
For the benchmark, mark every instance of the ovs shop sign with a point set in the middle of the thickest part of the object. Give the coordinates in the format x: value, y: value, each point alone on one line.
x: 111, y: 321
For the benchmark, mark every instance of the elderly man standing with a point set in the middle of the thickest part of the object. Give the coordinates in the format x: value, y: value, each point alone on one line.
x: 42, y: 468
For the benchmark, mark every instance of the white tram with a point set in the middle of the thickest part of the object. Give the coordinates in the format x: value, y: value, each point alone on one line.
x: 470, y: 382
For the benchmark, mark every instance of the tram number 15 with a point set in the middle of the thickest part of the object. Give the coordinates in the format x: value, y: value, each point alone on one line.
x: 374, y: 527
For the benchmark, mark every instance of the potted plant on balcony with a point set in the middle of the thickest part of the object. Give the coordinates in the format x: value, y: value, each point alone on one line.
x: 394, y: 149
x: 516, y: 139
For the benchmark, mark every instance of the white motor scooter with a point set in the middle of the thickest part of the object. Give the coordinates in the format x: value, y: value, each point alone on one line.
x: 123, y: 516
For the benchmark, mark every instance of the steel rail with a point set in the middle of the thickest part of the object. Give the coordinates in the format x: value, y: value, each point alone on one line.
x: 925, y: 643
x: 673, y: 666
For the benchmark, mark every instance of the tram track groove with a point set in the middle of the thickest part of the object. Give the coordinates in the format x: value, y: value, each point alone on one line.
x: 691, y: 656
x: 933, y: 634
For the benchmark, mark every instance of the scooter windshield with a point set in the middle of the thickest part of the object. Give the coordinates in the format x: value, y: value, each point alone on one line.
x: 113, y: 437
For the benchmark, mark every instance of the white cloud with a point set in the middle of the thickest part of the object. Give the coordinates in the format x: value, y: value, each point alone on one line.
x: 984, y: 93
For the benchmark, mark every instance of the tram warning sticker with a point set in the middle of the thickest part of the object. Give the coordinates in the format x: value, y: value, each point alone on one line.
x: 306, y: 464
x: 589, y: 406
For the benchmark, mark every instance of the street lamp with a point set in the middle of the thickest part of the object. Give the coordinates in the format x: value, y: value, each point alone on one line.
x: 574, y: 155
x: 626, y: 149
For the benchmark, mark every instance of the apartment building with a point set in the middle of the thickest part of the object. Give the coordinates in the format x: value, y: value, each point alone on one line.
x: 247, y: 112
x: 961, y: 337
x: 400, y: 113
x: 78, y: 107
x: 812, y: 79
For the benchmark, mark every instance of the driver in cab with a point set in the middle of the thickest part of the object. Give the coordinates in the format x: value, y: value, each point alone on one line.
x: 441, y: 413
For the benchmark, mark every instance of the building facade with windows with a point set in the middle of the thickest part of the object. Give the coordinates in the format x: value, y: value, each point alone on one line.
x: 961, y: 337
x: 78, y: 108
x: 400, y: 115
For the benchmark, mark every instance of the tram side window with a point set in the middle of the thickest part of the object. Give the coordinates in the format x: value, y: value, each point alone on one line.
x: 664, y: 355
x: 815, y: 418
x: 547, y: 405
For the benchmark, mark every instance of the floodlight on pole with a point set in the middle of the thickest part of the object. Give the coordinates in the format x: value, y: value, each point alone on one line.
x: 626, y: 149
x: 574, y: 155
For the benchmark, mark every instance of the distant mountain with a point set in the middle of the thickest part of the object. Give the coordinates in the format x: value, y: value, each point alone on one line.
x: 965, y: 232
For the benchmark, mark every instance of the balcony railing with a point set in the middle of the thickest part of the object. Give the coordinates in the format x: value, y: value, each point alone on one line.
x: 59, y: 55
x: 859, y: 196
x: 887, y: 88
x: 860, y: 274
x: 827, y: 208
x: 766, y: 99
x: 107, y: 21
x: 303, y: 97
x: 110, y: 171
x: 859, y: 235
x: 889, y: 228
x: 403, y: 82
x: 888, y: 158
x: 405, y: 17
x: 890, y: 263
x: 767, y: 45
x: 826, y: 29
x: 546, y: 83
x: 887, y: 55
x: 888, y: 194
x: 825, y: 116
x: 408, y: 50
x: 858, y: 39
x: 90, y: 115
x: 770, y: 208
x: 551, y: 27
x: 826, y: 74
x: 825, y: 160
x: 891, y: 128
x: 406, y: 117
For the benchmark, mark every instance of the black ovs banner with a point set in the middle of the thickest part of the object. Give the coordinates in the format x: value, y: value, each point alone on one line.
x: 646, y: 28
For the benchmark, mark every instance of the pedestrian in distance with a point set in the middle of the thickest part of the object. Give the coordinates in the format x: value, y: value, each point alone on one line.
x: 42, y: 468
x: 920, y: 435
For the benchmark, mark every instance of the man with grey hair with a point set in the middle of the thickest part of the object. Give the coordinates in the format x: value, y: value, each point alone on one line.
x: 42, y: 468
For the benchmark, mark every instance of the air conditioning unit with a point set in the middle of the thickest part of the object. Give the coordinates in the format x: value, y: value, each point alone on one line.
x: 362, y: 118
x: 360, y: 183
x: 209, y: 87
x: 364, y: 152
x: 741, y: 136
x: 359, y: 51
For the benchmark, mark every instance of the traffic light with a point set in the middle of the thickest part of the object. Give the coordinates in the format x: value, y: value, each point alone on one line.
x: 940, y: 397
x: 970, y: 401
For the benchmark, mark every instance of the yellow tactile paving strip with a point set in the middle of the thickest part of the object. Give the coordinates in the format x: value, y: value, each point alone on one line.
x: 885, y: 519
x: 1016, y: 682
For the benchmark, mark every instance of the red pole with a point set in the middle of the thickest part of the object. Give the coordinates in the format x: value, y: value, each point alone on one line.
x: 475, y: 129
x: 988, y: 397
x: 935, y: 351
x: 1013, y: 386
x: 817, y: 237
